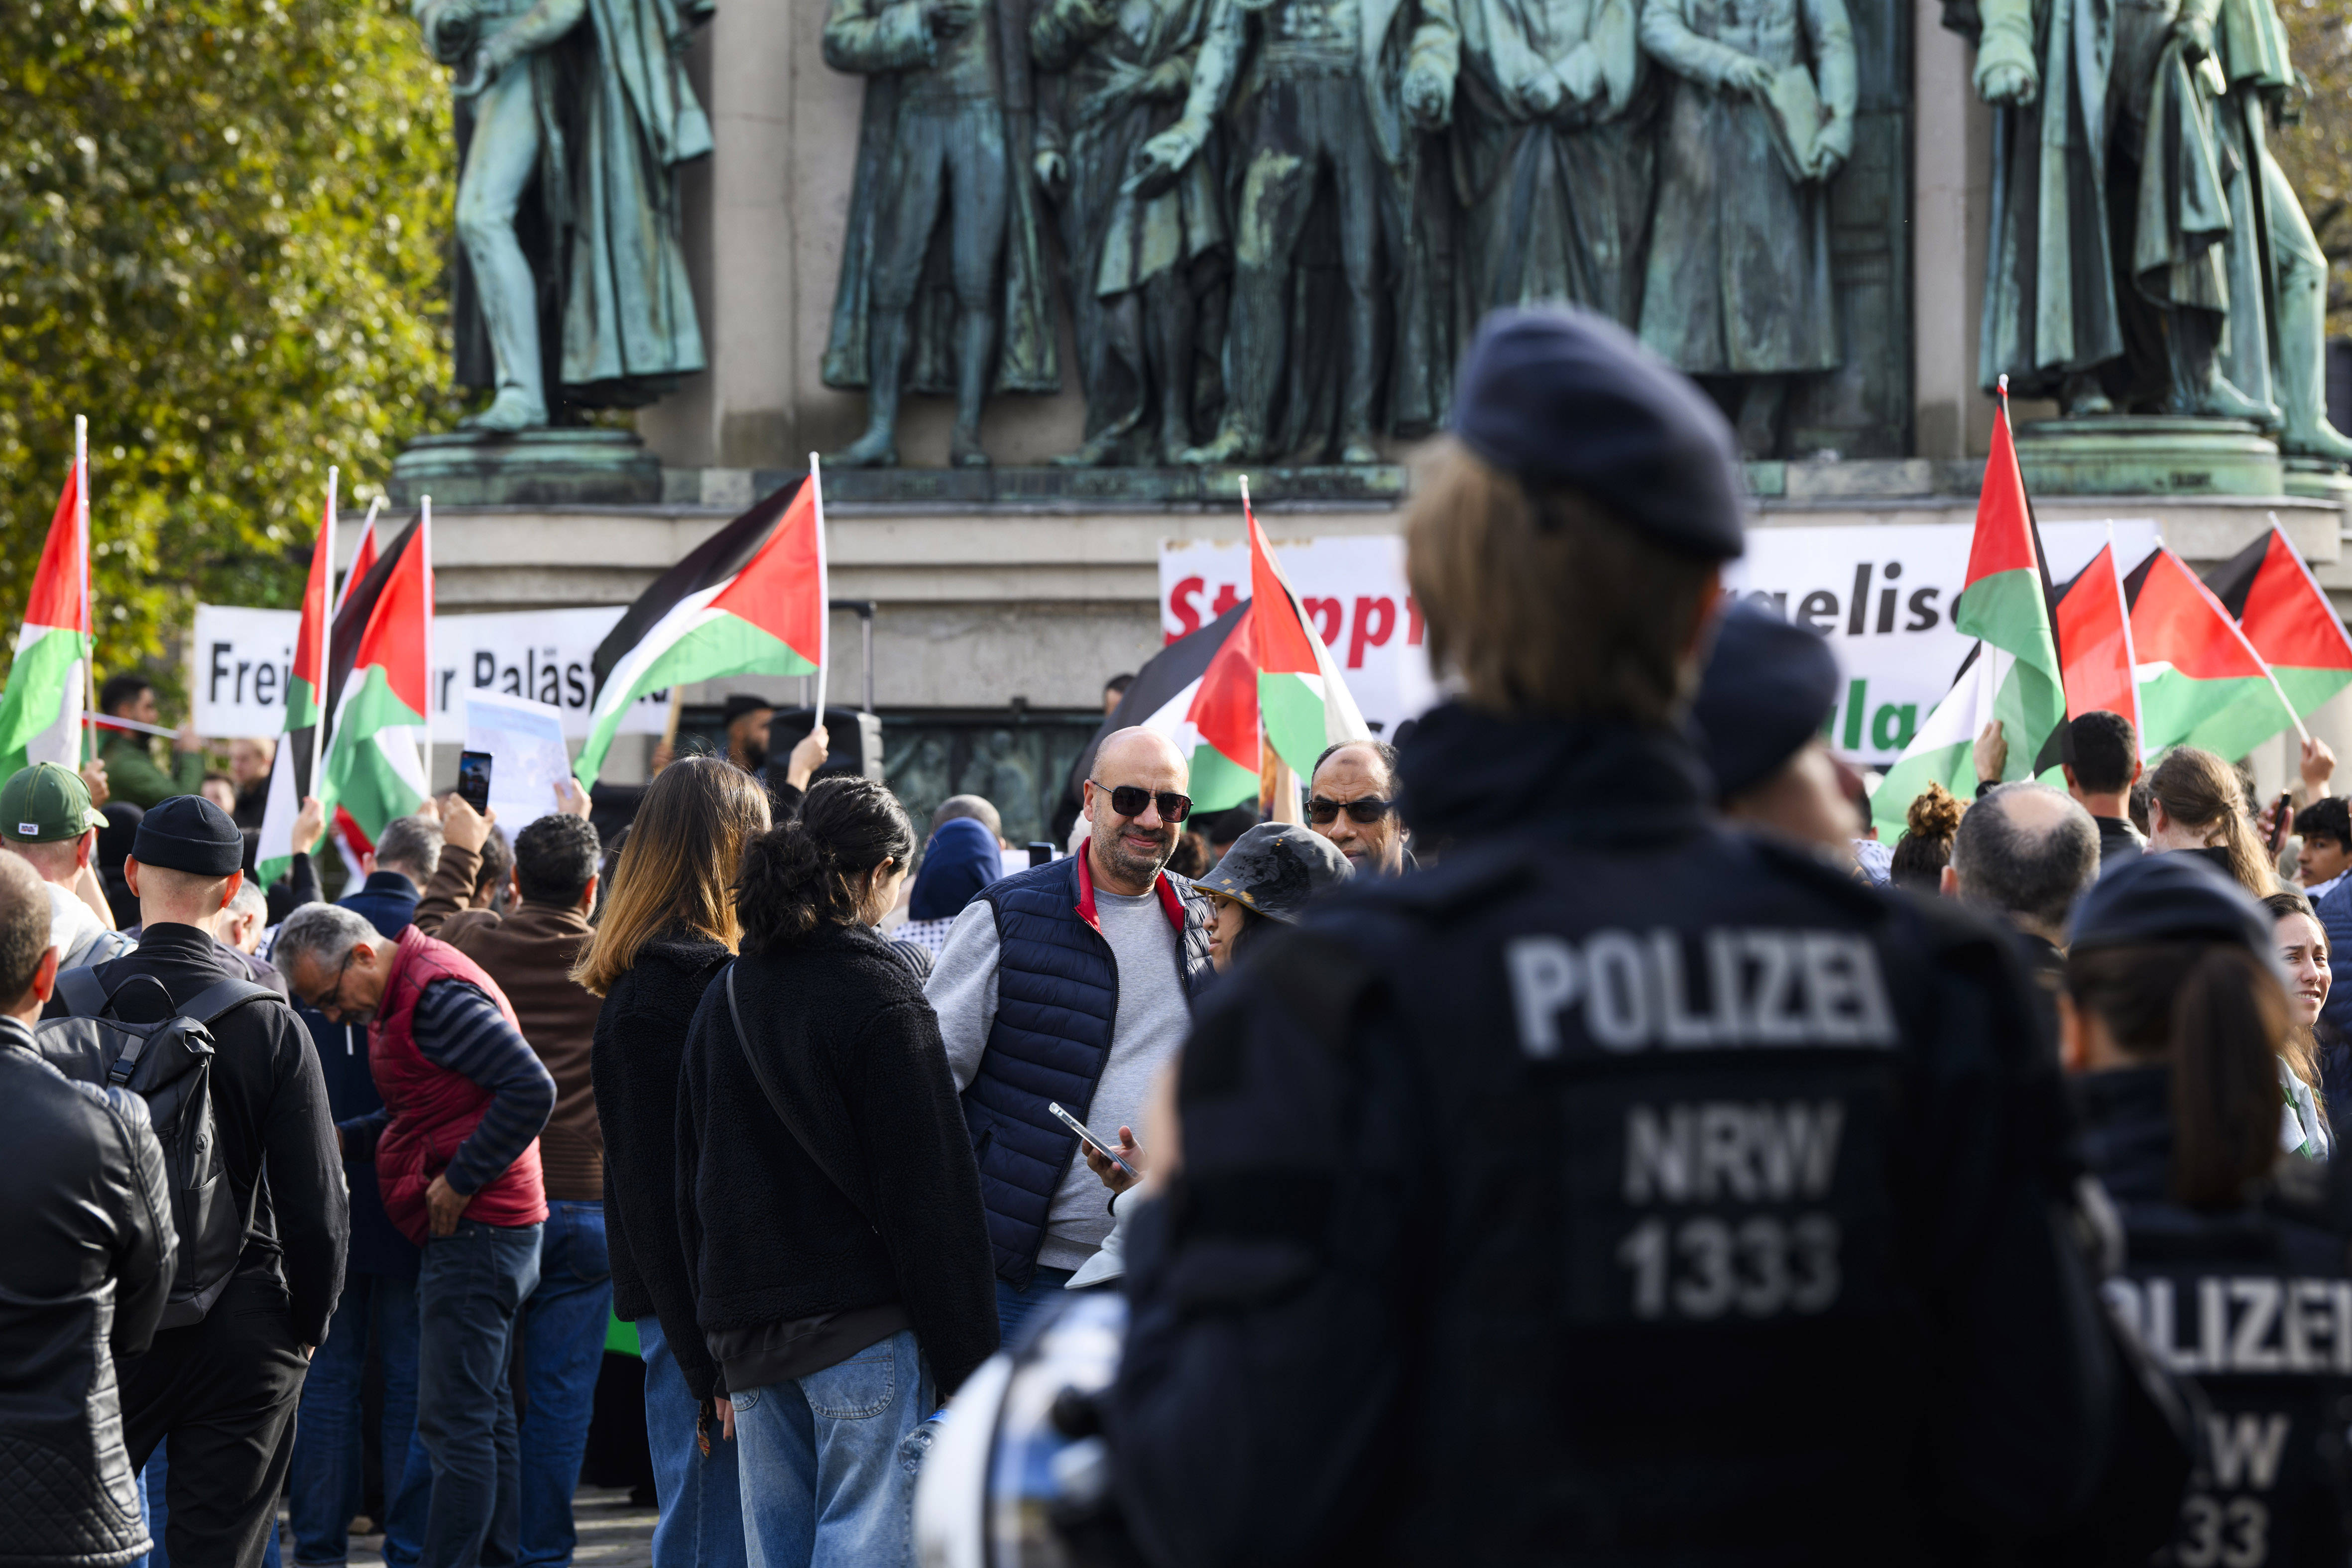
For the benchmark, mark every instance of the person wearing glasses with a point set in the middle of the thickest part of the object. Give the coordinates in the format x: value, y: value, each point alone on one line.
x: 455, y: 1149
x: 1071, y: 983
x: 1352, y: 801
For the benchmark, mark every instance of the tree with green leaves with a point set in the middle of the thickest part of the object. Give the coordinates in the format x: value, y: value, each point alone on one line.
x: 221, y: 238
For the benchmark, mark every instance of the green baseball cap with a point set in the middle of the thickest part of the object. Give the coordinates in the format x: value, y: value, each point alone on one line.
x: 45, y: 803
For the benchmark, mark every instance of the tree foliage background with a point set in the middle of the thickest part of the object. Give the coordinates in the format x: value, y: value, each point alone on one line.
x: 221, y: 225
x: 2316, y: 153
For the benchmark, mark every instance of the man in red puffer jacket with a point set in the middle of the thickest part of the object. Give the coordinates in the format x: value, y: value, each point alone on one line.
x: 456, y: 1156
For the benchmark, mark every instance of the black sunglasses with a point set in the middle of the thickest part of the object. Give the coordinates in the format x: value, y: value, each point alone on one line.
x: 1128, y: 800
x: 1366, y: 809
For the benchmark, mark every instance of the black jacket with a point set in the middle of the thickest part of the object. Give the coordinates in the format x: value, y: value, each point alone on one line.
x: 633, y: 1061
x: 842, y: 1029
x: 270, y: 1100
x: 1622, y: 1189
x: 86, y: 1231
x: 2120, y: 842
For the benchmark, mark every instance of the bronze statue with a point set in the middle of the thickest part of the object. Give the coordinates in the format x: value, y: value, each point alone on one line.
x: 1737, y: 284
x: 598, y: 117
x: 2050, y: 317
x: 2278, y: 275
x: 943, y: 235
x: 1344, y: 89
x: 1557, y: 167
x: 1143, y: 271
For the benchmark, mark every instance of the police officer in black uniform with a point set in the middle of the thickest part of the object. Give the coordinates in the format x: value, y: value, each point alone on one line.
x: 2234, y: 1267
x: 1624, y: 1189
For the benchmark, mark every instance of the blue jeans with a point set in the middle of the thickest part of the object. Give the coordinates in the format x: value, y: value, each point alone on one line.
x: 152, y: 1488
x: 469, y: 1294
x: 564, y: 1326
x: 1014, y: 1307
x: 823, y: 1483
x: 326, y: 1472
x: 701, y: 1523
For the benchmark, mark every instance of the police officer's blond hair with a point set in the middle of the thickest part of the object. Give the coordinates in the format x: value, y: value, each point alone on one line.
x: 1544, y: 602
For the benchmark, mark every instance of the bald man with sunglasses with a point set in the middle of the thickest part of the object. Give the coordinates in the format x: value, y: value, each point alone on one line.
x: 1071, y: 983
x: 1352, y: 801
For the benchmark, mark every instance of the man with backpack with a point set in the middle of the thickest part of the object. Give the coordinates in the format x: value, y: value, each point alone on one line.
x: 46, y: 819
x: 256, y: 1288
x: 86, y: 1226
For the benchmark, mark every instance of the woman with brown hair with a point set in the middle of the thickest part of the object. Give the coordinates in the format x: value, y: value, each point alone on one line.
x: 1925, y: 847
x: 2195, y: 804
x: 669, y: 925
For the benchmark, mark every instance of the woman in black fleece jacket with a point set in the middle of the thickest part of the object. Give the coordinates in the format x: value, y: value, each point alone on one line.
x: 826, y: 1193
x: 668, y: 927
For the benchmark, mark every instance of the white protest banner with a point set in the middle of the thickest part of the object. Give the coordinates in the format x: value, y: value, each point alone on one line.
x: 1883, y: 597
x: 525, y: 742
x: 1352, y: 588
x: 1881, y: 594
x: 244, y: 658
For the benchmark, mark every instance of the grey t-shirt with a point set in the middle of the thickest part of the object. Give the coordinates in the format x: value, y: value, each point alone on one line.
x: 1150, y: 1024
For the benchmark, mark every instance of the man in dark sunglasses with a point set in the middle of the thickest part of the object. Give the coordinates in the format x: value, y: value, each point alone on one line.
x: 1352, y: 801
x: 1071, y: 984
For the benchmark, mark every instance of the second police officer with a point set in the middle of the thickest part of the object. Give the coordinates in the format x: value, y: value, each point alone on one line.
x: 1623, y: 1189
x: 2233, y: 1265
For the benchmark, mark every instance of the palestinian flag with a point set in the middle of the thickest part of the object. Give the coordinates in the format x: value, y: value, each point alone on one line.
x: 2279, y: 605
x: 363, y: 557
x: 2093, y: 625
x: 750, y: 600
x: 381, y: 654
x: 2201, y: 682
x: 1270, y: 680
x: 40, y: 713
x: 1944, y: 750
x: 1171, y: 676
x: 2005, y: 601
x: 1304, y: 704
x: 289, y: 772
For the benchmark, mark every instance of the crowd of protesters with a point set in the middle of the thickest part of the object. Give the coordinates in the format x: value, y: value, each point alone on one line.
x: 795, y: 1088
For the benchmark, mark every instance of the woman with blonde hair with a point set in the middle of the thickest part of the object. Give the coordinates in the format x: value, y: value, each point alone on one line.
x: 2196, y: 804
x: 2304, y: 953
x: 669, y: 925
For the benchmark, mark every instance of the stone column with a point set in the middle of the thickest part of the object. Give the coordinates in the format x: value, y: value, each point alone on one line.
x: 1952, y: 176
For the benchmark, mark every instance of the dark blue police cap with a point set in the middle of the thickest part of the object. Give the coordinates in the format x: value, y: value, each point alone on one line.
x: 1768, y: 688
x: 2169, y: 898
x: 188, y: 833
x: 1563, y: 396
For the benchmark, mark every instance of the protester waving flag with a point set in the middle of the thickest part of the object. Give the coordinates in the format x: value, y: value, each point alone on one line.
x: 2093, y: 625
x: 750, y: 600
x: 2279, y: 605
x: 1270, y: 681
x: 40, y: 713
x: 2201, y: 682
x: 291, y: 774
x: 2013, y: 675
x: 381, y: 650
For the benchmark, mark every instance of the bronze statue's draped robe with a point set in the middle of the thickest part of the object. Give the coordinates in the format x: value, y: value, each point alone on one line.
x: 1738, y: 274
x: 2050, y: 273
x: 1556, y: 200
x: 617, y: 118
x: 1096, y: 111
x: 884, y: 38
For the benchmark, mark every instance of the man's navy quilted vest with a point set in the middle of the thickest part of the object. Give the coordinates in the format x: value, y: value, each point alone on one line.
x: 1056, y: 995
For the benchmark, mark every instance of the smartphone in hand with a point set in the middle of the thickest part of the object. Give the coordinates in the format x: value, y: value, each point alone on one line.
x: 1086, y: 1134
x: 2278, y: 824
x: 474, y: 780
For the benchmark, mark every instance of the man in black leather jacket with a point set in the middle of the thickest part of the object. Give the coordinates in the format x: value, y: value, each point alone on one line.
x: 86, y: 1227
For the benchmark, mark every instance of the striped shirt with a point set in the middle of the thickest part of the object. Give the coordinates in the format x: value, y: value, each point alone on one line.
x: 456, y: 1027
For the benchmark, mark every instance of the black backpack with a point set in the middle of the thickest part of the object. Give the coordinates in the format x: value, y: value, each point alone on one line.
x: 168, y: 1064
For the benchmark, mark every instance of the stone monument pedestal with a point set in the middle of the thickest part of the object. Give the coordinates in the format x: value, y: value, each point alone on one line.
x: 2147, y: 455
x: 583, y: 467
x: 2317, y: 479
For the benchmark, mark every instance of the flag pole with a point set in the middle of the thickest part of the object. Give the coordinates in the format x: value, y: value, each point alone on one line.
x: 326, y: 619
x: 425, y: 543
x: 89, y: 624
x: 823, y: 588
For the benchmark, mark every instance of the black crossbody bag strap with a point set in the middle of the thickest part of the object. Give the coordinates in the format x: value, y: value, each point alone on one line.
x: 782, y: 1105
